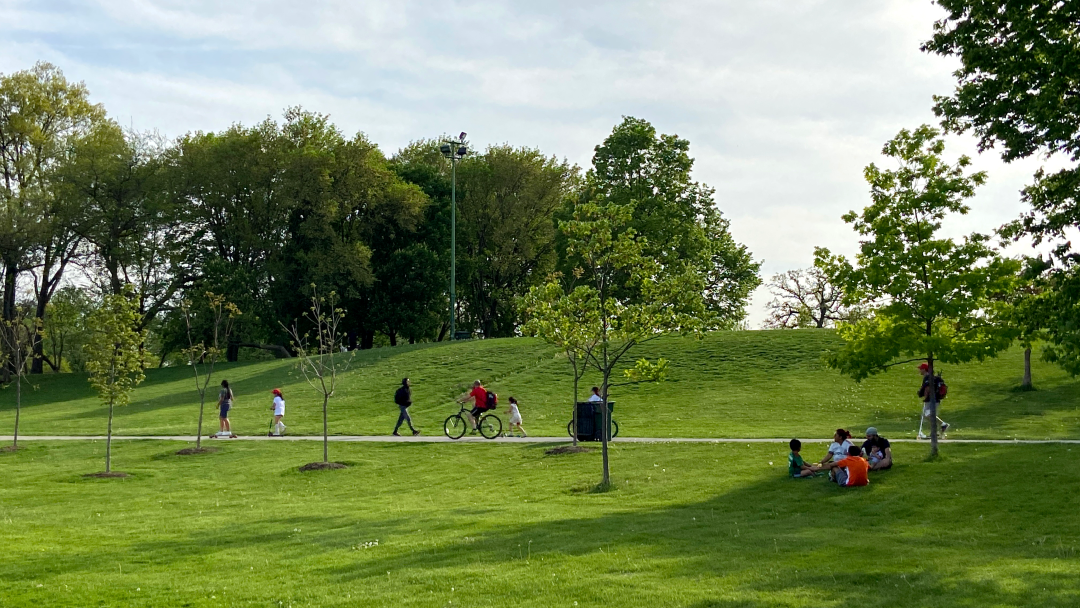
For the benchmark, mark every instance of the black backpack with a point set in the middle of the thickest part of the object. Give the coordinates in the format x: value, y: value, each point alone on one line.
x: 401, y: 397
x: 491, y: 401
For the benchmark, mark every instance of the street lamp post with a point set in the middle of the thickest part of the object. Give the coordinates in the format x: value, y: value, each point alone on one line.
x: 455, y: 150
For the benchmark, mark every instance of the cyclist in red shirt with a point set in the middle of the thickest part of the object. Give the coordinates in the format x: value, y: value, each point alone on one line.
x: 479, y: 395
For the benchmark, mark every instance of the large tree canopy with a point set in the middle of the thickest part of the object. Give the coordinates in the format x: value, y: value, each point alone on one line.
x: 1018, y: 90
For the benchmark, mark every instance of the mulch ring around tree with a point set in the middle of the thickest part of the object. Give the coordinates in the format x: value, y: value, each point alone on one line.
x: 11, y: 448
x: 195, y: 451
x: 567, y: 449
x: 320, y: 466
x: 104, y: 475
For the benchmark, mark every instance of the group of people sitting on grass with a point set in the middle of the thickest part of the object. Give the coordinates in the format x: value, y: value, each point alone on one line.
x: 846, y: 464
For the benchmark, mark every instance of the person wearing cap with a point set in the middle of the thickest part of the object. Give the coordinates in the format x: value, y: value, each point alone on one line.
x: 926, y: 392
x: 279, y: 413
x: 877, y: 450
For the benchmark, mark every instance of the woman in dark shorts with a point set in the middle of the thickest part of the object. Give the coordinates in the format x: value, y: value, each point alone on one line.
x: 225, y: 399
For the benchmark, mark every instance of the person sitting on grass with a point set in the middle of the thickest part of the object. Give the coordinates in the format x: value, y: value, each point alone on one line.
x: 795, y: 465
x: 877, y: 450
x: 851, y: 471
x: 838, y: 450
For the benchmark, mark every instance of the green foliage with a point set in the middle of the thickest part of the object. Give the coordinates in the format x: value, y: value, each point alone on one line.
x: 1017, y: 91
x: 677, y: 217
x: 66, y: 330
x: 114, y: 354
x: 221, y: 316
x: 931, y: 297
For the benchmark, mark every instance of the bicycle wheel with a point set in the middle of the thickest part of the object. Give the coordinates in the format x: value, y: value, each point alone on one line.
x: 490, y: 426
x: 614, y: 429
x: 570, y: 428
x: 455, y: 426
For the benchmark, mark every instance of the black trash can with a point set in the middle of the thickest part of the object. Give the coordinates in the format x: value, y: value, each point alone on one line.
x: 590, y: 420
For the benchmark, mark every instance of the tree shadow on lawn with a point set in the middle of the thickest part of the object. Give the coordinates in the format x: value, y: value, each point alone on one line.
x: 908, y: 535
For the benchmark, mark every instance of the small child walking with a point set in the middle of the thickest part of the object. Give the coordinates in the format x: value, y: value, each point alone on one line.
x: 279, y: 412
x: 515, y: 418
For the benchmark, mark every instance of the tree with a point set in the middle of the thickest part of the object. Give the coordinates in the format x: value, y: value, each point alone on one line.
x: 17, y: 337
x: 65, y: 328
x: 569, y: 321
x: 41, y: 112
x: 115, y: 355
x: 1016, y: 91
x: 221, y: 317
x: 928, y: 297
x: 320, y: 357
x: 658, y: 299
x: 650, y: 173
x: 506, y: 236
x: 805, y: 298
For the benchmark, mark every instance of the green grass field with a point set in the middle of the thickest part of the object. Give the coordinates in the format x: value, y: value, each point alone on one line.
x: 702, y: 525
x: 737, y: 384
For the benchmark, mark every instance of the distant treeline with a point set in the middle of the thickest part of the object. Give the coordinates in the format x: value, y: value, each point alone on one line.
x: 261, y: 213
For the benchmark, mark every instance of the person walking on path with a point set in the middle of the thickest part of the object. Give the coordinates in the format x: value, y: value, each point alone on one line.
x: 279, y: 413
x: 515, y: 418
x: 225, y: 401
x: 926, y: 393
x: 403, y: 399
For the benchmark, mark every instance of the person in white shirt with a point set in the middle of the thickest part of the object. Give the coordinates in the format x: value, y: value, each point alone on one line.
x: 595, y: 394
x: 838, y: 450
x: 515, y: 417
x: 279, y: 413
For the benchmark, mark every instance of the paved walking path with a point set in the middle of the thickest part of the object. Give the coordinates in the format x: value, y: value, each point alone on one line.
x: 478, y: 439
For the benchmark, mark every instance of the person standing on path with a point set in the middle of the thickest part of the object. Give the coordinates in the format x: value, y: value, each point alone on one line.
x: 279, y: 413
x: 403, y: 399
x: 225, y: 401
x: 926, y: 392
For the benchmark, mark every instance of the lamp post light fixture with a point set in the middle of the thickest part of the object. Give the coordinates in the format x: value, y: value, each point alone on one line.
x: 454, y: 150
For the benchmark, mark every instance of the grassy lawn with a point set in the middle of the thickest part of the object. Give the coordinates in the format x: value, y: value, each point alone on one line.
x: 506, y: 525
x: 741, y: 384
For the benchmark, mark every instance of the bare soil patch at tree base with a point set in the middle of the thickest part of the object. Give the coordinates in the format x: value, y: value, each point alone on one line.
x: 321, y: 466
x: 109, y: 475
x: 567, y: 449
x: 196, y: 451
x: 11, y: 448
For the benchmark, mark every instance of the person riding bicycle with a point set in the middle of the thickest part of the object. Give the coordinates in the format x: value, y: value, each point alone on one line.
x: 479, y: 395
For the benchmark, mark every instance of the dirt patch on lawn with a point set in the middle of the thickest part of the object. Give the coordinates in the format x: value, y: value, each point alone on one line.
x: 11, y: 448
x: 322, y: 466
x: 567, y: 449
x: 109, y: 475
x: 196, y: 451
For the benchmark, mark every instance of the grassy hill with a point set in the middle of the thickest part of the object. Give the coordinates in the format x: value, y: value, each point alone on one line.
x: 741, y: 384
x: 689, y: 526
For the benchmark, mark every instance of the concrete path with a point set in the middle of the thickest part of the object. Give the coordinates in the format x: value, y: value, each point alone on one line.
x: 478, y: 439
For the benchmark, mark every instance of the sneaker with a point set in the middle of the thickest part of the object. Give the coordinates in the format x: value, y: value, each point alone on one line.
x: 396, y: 434
x: 944, y: 427
x: 415, y: 433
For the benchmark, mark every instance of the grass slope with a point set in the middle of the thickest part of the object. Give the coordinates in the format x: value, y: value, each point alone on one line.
x: 696, y: 526
x: 742, y: 384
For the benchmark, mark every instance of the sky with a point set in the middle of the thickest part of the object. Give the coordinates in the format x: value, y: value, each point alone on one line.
x: 783, y: 101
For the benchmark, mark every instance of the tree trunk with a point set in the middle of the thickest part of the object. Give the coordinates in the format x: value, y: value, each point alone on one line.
x: 108, y: 442
x: 18, y: 409
x: 8, y: 313
x: 352, y: 339
x: 1026, y: 383
x: 232, y: 352
x: 202, y: 404
x: 367, y: 339
x: 445, y: 327
x: 573, y: 413
x: 325, y: 434
x: 393, y: 338
x: 605, y: 423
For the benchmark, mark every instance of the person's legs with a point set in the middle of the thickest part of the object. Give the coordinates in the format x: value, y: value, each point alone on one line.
x: 279, y: 426
x: 841, y: 476
x: 400, y: 419
x: 228, y: 427
x: 221, y: 424
x: 522, y: 429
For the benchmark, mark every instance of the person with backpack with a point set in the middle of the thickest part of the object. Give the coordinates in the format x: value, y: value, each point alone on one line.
x: 403, y: 399
x: 484, y: 400
x: 925, y: 392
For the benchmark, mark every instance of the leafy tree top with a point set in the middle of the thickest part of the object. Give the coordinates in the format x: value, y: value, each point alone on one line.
x: 114, y: 352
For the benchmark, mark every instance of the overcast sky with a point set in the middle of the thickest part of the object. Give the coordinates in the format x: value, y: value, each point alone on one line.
x: 783, y: 101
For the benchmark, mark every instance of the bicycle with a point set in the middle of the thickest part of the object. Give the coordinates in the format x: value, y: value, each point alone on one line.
x: 582, y: 428
x: 490, y: 425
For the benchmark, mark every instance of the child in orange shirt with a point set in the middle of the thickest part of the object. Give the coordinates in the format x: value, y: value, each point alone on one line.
x: 852, y: 471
